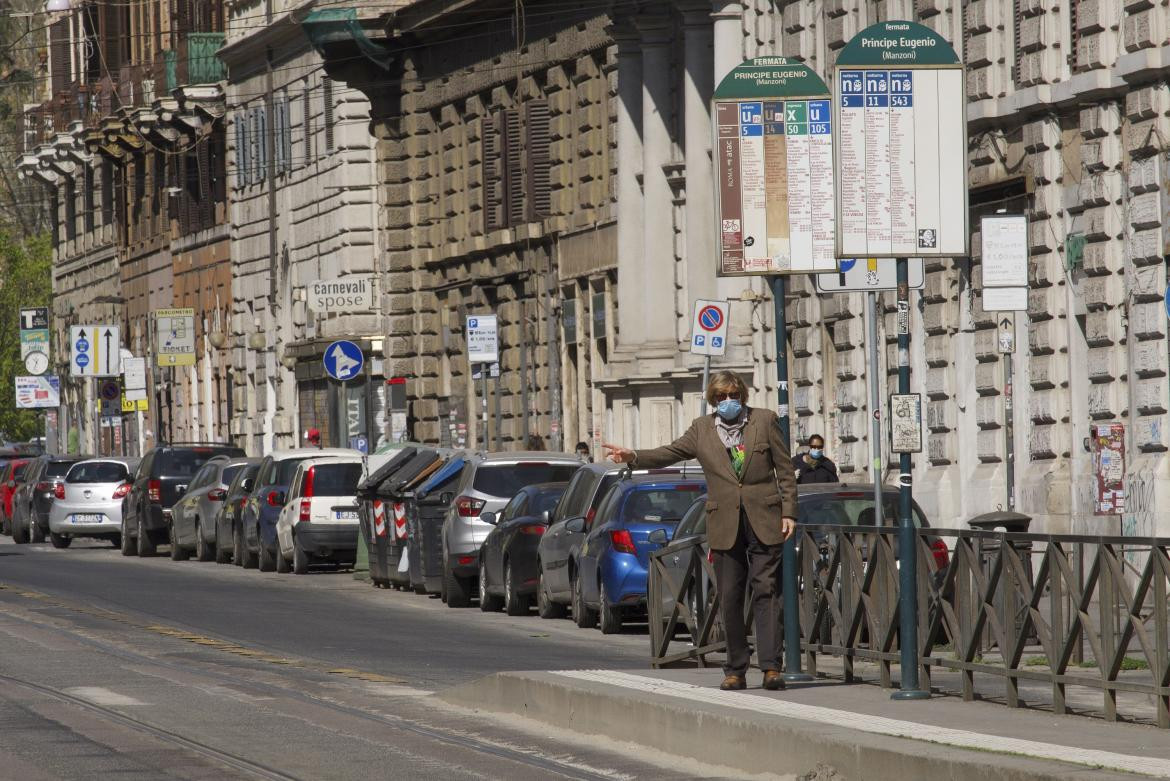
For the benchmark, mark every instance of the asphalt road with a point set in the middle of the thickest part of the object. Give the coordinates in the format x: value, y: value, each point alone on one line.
x: 115, y: 667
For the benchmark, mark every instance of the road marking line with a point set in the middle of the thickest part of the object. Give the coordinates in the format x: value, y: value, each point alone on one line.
x: 391, y: 690
x: 879, y: 725
x: 99, y: 696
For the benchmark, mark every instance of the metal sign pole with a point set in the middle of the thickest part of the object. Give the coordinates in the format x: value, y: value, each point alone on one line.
x: 907, y: 552
x: 706, y: 382
x: 344, y: 406
x: 875, y: 403
x: 97, y: 417
x: 1009, y: 428
x: 483, y: 386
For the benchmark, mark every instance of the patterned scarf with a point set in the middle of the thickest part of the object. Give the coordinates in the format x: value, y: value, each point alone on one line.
x: 731, y: 435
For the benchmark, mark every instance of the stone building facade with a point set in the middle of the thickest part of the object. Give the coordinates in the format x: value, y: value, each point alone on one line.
x: 303, y: 208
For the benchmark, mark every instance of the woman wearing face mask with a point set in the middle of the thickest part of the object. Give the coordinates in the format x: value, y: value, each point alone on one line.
x: 751, y: 511
x: 814, y: 466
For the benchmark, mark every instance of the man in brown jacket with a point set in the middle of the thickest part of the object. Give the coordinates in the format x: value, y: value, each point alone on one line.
x: 751, y: 511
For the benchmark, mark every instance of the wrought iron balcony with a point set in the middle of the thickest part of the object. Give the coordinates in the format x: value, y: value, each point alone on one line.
x: 192, y: 60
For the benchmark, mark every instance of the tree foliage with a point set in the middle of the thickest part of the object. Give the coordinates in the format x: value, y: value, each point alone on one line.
x: 25, y: 281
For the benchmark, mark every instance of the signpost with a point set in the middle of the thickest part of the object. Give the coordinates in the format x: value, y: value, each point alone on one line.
x: 34, y: 339
x: 95, y: 351
x: 343, y: 361
x: 351, y: 293
x: 483, y: 347
x: 709, y: 337
x: 870, y: 274
x: 175, y: 332
x: 901, y: 156
x: 38, y: 392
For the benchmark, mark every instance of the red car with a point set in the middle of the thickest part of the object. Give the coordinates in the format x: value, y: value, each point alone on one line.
x: 12, y: 475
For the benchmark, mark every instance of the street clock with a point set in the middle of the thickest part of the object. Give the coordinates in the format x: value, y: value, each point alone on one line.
x: 36, y: 362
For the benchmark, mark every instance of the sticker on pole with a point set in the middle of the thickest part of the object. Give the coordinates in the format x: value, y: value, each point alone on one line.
x: 343, y: 360
x: 709, y: 328
x: 774, y: 169
x: 906, y: 423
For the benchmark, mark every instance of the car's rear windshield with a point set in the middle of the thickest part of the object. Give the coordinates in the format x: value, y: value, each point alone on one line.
x: 545, y: 500
x: 506, y: 480
x: 229, y: 473
x: 58, y: 468
x: 187, y: 461
x: 853, y: 508
x: 98, y: 472
x: 336, y: 479
x: 659, y: 505
x: 19, y: 471
x: 286, y: 469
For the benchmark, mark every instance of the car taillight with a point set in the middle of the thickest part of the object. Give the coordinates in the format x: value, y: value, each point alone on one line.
x: 309, y: 483
x: 154, y: 491
x: 59, y: 491
x: 710, y: 557
x: 273, y: 499
x: 942, y: 556
x: 121, y: 490
x: 535, y: 528
x: 304, y: 516
x: 622, y: 542
x: 43, y: 488
x: 216, y: 495
x: 468, y: 506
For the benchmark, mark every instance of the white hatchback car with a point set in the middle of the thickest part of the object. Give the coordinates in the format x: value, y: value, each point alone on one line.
x: 319, y: 521
x: 89, y: 502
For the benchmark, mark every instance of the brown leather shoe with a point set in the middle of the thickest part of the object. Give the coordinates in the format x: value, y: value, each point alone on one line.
x: 773, y: 680
x: 733, y: 683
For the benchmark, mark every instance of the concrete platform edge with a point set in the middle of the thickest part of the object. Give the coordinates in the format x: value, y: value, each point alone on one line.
x: 741, y: 740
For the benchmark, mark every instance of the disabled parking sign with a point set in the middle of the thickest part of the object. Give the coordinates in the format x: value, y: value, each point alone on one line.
x: 709, y: 328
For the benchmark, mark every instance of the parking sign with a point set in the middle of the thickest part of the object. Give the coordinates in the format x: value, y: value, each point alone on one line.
x: 709, y: 328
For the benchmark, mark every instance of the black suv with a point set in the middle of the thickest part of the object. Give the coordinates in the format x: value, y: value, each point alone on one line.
x: 161, y: 479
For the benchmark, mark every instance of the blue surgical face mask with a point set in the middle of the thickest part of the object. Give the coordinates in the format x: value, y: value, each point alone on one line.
x: 729, y: 409
x: 816, y: 453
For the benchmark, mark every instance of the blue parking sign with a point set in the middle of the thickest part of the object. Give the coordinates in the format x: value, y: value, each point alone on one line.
x: 700, y: 340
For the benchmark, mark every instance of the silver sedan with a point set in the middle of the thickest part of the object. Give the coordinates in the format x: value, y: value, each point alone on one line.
x: 89, y: 502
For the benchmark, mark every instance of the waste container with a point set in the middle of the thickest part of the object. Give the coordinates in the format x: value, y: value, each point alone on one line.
x: 1008, y: 597
x: 398, y: 493
x: 372, y: 513
x: 432, y: 500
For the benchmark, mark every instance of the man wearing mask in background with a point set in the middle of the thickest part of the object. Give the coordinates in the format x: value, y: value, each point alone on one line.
x: 582, y: 450
x: 814, y: 466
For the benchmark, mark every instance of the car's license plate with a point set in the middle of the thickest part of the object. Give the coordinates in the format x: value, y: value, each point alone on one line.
x: 345, y: 515
x: 86, y: 518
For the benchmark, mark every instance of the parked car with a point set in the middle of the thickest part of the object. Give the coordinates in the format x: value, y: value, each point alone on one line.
x: 34, y: 497
x: 508, y: 574
x: 615, y: 554
x: 162, y: 477
x: 257, y: 520
x: 319, y: 521
x: 692, y: 525
x: 227, y: 520
x: 11, y: 477
x: 487, y: 483
x: 560, y: 546
x: 192, y: 528
x: 89, y: 502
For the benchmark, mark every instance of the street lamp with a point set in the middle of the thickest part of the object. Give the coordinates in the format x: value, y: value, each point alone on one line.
x: 56, y: 6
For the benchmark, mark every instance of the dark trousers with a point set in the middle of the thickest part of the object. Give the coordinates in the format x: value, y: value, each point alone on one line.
x: 749, y: 560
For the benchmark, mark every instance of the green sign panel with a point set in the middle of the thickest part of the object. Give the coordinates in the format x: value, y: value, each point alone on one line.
x: 897, y: 44
x: 771, y: 77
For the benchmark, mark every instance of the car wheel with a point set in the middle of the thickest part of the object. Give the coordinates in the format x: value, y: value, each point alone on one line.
x: 248, y: 559
x: 127, y: 542
x: 36, y: 533
x: 238, y: 547
x: 145, y: 546
x: 60, y: 540
x: 301, y: 558
x: 19, y: 533
x: 488, y: 603
x: 282, y: 564
x: 178, y: 552
x: 223, y: 554
x: 443, y: 589
x: 204, y: 550
x: 610, y: 615
x: 545, y: 606
x: 514, y: 604
x: 457, y: 591
x: 583, y: 616
x: 267, y: 561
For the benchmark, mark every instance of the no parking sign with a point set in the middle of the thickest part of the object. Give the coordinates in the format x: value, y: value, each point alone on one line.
x: 709, y: 328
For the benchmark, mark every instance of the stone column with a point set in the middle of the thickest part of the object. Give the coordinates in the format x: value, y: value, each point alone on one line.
x: 658, y: 302
x: 631, y: 276
x: 727, y: 18
x: 700, y: 207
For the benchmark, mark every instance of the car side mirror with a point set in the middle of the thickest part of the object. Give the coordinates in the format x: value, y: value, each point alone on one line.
x: 488, y: 517
x: 576, y: 525
x: 658, y: 537
x: 545, y: 516
x: 446, y: 497
x: 248, y: 484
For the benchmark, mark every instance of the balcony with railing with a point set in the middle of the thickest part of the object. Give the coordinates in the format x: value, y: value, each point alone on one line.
x: 192, y: 60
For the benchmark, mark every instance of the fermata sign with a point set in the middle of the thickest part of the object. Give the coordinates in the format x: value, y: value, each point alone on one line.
x: 901, y: 144
x: 774, y: 169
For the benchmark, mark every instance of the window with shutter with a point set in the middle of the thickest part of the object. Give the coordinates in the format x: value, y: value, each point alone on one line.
x: 87, y: 199
x: 70, y: 210
x: 241, y: 166
x: 285, y: 139
x: 514, y: 166
x: 115, y: 24
x: 218, y: 153
x: 536, y: 144
x: 307, y: 130
x: 493, y: 176
x: 278, y: 133
x: 1017, y: 52
x: 158, y: 197
x: 262, y: 143
x: 59, y: 76
x: 107, y: 192
x: 1074, y: 35
x: 206, y: 211
x: 327, y: 121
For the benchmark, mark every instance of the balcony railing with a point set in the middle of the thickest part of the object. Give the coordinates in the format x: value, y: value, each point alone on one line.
x: 191, y: 61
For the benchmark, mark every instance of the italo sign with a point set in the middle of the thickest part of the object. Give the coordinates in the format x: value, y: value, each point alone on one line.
x: 344, y: 294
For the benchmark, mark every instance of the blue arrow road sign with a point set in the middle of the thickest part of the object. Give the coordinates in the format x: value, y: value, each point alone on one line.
x: 343, y: 360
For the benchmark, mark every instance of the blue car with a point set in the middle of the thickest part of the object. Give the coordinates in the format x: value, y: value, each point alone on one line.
x: 636, y: 518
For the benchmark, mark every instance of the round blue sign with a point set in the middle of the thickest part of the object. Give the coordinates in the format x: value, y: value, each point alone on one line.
x: 343, y: 360
x: 846, y: 264
x: 710, y: 318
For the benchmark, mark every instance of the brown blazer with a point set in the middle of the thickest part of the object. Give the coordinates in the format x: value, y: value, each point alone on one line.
x: 767, y: 491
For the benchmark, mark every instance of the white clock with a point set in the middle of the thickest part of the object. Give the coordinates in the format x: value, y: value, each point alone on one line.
x: 36, y: 362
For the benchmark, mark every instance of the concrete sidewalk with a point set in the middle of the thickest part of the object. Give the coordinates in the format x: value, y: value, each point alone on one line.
x: 825, y: 729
